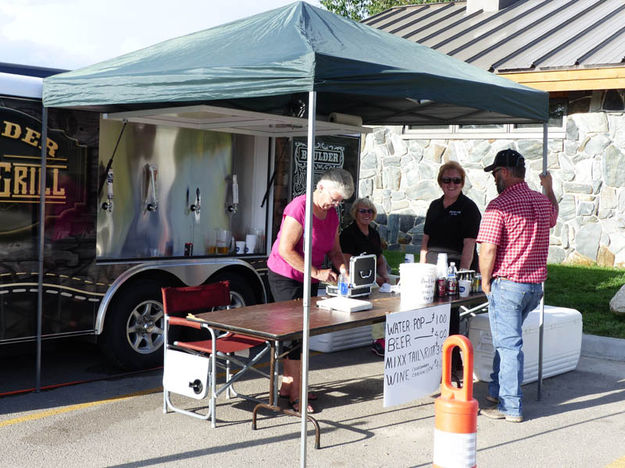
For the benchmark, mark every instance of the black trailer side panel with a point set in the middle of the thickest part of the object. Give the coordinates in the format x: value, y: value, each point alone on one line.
x: 72, y: 289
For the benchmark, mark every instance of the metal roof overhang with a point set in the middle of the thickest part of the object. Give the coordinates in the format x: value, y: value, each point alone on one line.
x: 221, y: 119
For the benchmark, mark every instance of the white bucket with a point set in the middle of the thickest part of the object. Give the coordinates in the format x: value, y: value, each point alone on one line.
x: 418, y: 282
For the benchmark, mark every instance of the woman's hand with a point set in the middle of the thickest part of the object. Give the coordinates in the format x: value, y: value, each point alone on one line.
x: 325, y: 275
x: 382, y: 279
x: 424, y: 249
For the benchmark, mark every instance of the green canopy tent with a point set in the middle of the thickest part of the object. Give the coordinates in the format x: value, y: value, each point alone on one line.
x: 279, y: 65
x: 267, y: 62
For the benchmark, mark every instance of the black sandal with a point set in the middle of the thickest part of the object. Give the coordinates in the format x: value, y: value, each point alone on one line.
x: 295, y: 402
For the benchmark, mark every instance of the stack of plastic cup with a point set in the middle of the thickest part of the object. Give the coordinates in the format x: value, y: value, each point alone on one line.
x: 441, y: 265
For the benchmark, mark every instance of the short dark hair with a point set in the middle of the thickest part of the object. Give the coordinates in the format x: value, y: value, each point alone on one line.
x: 517, y: 171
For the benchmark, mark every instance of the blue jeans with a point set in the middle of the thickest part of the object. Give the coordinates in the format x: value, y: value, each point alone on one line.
x: 509, y: 305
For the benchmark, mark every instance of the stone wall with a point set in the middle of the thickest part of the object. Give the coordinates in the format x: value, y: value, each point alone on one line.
x: 588, y: 166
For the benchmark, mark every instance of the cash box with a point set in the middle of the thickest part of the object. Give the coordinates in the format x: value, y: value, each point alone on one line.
x: 362, y: 270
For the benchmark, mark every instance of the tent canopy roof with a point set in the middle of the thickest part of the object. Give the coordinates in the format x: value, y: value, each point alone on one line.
x: 269, y: 62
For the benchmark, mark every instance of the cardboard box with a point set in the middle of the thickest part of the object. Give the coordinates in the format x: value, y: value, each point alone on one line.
x: 562, y: 342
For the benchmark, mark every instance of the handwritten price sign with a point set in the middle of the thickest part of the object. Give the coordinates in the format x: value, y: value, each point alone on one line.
x: 412, y: 359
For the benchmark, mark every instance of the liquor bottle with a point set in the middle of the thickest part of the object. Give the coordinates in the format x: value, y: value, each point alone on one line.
x: 441, y: 275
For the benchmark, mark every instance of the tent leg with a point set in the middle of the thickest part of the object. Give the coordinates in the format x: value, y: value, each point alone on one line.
x: 42, y: 219
x: 312, y: 110
x: 541, y: 321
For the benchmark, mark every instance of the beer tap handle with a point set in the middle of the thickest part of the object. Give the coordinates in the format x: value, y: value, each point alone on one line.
x: 108, y: 204
x: 153, y: 204
x: 234, y: 207
x: 196, y: 206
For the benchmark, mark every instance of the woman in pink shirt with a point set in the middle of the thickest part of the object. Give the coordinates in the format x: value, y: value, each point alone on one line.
x: 286, y: 260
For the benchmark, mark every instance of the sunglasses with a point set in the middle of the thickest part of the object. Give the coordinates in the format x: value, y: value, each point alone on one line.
x: 449, y: 180
x: 365, y: 211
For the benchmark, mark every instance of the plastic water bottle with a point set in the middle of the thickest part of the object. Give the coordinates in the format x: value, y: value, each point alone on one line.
x: 452, y: 279
x: 343, y: 283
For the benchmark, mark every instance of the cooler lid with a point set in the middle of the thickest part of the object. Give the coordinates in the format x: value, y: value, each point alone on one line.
x: 362, y: 270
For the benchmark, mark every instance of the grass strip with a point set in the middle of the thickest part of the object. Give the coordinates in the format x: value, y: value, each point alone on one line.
x: 587, y: 289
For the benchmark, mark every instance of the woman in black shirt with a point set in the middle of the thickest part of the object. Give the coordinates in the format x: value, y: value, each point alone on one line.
x: 362, y: 238
x: 451, y: 226
x: 452, y: 222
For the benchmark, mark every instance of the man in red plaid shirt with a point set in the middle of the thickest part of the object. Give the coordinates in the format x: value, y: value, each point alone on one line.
x: 514, y: 238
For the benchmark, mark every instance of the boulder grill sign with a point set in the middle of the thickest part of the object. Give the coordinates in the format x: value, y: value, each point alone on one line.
x: 330, y: 153
x: 20, y: 169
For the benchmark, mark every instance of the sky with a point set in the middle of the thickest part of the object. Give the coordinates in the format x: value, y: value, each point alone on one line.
x: 70, y: 34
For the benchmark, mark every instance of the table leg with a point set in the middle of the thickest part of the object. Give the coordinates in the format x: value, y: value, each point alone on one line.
x: 273, y: 404
x: 273, y: 395
x: 277, y: 409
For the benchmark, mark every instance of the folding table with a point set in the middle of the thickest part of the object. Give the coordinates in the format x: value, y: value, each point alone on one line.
x: 280, y: 321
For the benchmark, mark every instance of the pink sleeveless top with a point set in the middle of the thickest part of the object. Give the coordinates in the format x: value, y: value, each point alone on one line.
x: 323, y: 235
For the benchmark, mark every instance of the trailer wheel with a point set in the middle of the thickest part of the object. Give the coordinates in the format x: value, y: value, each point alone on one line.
x: 241, y: 293
x: 134, y: 327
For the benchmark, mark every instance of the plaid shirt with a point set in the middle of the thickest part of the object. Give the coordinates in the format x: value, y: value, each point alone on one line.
x: 518, y: 223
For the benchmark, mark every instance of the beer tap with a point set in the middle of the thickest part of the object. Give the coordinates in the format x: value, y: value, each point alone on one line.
x: 195, y: 207
x: 108, y: 204
x: 153, y: 204
x: 234, y: 207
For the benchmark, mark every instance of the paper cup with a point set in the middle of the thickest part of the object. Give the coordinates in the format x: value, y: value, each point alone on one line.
x: 464, y: 287
x: 250, y: 243
x: 240, y: 247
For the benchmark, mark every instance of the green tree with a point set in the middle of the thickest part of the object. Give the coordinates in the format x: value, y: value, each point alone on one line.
x: 361, y: 9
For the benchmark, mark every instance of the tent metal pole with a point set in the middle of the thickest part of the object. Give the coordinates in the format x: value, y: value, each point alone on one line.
x: 541, y: 321
x: 303, y: 401
x: 42, y: 222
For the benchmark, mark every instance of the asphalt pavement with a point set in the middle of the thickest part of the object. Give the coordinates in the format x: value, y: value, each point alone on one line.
x: 117, y: 420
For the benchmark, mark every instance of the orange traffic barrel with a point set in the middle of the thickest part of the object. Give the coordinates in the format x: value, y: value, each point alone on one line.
x: 455, y: 412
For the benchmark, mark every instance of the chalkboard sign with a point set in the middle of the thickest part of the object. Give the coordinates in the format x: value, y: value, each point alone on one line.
x: 330, y: 152
x: 290, y: 170
x: 413, y: 353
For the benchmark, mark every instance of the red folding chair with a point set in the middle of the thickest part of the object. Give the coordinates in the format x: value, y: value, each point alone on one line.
x: 190, y: 366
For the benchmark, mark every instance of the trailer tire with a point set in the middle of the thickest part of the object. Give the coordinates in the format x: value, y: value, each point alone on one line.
x: 134, y: 326
x: 241, y: 293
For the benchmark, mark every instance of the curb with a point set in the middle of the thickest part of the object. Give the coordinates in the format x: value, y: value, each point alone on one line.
x: 603, y: 347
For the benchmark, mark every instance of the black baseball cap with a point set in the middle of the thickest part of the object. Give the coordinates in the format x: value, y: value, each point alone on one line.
x: 506, y: 158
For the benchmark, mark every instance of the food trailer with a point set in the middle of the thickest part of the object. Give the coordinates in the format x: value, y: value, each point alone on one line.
x: 131, y: 207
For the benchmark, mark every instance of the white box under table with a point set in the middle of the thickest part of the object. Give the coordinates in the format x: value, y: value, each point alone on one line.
x: 343, y: 339
x: 562, y: 342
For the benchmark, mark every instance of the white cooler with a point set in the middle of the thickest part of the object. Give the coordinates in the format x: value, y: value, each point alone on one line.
x: 562, y: 343
x: 343, y: 339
